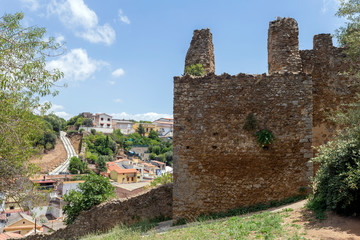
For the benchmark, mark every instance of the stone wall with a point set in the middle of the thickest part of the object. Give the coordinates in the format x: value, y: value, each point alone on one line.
x: 217, y: 164
x: 283, y: 46
x: 201, y: 50
x: 331, y: 89
x: 155, y: 203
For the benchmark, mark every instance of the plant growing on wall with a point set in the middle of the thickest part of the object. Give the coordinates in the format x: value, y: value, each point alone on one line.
x: 250, y: 122
x: 264, y: 137
x: 195, y: 70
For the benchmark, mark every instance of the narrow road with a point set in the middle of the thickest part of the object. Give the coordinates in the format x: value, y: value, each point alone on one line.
x: 63, y: 168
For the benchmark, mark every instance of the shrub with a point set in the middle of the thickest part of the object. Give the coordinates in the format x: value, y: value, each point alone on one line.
x: 93, y: 191
x: 152, y: 156
x: 93, y: 131
x: 336, y: 185
x: 77, y: 166
x: 70, y: 132
x: 264, y: 137
x: 163, y: 179
x: 195, y: 70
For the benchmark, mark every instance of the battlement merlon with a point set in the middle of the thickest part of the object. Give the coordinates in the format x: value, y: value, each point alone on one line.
x: 283, y: 46
x: 201, y: 50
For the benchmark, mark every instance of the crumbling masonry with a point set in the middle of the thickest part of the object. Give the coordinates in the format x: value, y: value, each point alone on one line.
x: 217, y: 164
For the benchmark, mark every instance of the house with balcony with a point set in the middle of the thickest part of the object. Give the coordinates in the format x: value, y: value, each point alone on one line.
x: 102, y: 122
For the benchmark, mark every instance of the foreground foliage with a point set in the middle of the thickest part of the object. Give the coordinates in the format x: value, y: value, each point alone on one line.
x: 336, y: 185
x: 95, y: 190
x: 24, y: 78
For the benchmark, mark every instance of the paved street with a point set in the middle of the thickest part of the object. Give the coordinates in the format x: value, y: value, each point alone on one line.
x: 70, y: 153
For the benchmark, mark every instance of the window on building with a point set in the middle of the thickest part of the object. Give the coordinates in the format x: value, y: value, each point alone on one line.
x: 127, y: 179
x: 132, y: 179
x: 12, y: 207
x: 108, y: 119
x: 23, y: 222
x: 102, y: 119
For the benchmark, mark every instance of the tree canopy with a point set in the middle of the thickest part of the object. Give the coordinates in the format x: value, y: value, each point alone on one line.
x: 24, y: 79
x: 93, y: 191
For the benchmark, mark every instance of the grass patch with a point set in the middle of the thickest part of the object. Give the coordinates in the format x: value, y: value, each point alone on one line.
x: 249, y: 209
x: 264, y: 225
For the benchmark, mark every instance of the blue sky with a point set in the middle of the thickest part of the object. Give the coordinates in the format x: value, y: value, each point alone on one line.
x: 122, y: 54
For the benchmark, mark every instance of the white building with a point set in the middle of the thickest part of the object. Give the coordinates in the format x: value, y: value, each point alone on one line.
x: 125, y: 126
x: 102, y: 123
x: 102, y: 120
x: 164, y: 126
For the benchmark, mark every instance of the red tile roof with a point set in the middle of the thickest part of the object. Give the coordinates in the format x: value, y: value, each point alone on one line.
x: 7, y: 235
x: 112, y: 166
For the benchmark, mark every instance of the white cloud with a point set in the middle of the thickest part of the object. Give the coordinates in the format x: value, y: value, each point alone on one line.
x: 123, y: 18
x: 64, y: 115
x: 33, y: 5
x: 118, y: 72
x: 59, y: 38
x: 76, y: 65
x: 118, y: 100
x: 150, y: 116
x: 76, y: 15
x: 329, y: 5
x: 55, y: 107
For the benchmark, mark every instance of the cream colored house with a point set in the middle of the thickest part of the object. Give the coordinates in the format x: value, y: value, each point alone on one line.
x: 21, y: 223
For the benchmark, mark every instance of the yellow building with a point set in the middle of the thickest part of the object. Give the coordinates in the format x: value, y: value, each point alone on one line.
x: 11, y: 206
x: 122, y: 175
x: 147, y: 127
x: 21, y: 223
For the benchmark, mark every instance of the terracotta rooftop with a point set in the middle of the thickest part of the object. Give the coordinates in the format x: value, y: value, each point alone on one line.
x: 8, y: 235
x: 112, y: 166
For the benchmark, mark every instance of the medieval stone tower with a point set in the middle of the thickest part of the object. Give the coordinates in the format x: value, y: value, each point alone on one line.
x: 217, y: 164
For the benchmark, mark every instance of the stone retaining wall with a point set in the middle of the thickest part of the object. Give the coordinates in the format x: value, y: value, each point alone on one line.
x: 154, y: 203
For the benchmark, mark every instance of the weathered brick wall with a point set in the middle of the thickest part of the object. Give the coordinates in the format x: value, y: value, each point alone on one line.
x: 157, y: 202
x: 217, y: 164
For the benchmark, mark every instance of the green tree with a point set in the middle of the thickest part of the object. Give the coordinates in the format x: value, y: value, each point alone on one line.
x: 88, y: 122
x: 154, y: 135
x: 348, y: 36
x: 141, y: 130
x: 156, y: 150
x: 195, y: 70
x: 152, y: 156
x: 77, y: 166
x: 101, y: 163
x: 24, y: 79
x: 95, y: 190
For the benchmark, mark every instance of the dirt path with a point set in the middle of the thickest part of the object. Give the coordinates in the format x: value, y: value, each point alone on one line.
x: 333, y: 227
x: 52, y: 158
x: 302, y: 221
